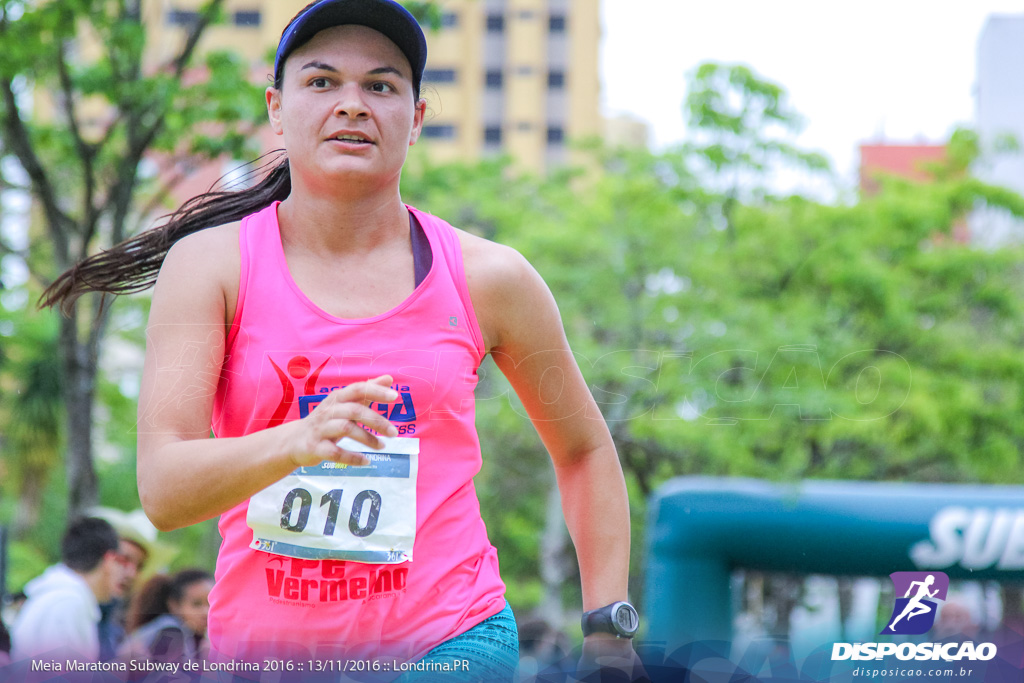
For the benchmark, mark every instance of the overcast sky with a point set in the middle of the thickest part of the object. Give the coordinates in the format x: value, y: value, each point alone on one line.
x: 905, y: 68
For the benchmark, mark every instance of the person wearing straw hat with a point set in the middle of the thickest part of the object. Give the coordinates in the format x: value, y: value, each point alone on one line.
x: 137, y: 543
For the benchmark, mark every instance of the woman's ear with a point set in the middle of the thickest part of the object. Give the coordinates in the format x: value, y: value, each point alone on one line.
x: 274, y: 109
x: 417, y: 121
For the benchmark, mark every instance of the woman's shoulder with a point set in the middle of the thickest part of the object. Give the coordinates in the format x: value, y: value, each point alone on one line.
x: 490, y: 264
x: 212, y: 244
x: 505, y: 289
x: 203, y: 267
x: 205, y: 254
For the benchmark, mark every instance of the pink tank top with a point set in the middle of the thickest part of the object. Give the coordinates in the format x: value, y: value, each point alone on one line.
x: 283, y: 352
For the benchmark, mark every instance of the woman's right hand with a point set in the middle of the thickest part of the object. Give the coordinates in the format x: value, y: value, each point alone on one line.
x: 344, y: 413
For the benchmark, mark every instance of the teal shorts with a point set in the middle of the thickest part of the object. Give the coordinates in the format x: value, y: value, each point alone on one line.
x: 488, y: 652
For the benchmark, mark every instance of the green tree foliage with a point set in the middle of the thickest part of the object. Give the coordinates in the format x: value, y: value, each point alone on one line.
x: 31, y: 412
x: 86, y: 116
x: 807, y: 340
x: 741, y: 129
x: 81, y: 109
x: 427, y: 12
x: 725, y: 329
x: 740, y: 122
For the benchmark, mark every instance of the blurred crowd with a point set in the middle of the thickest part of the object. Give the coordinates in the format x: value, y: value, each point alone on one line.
x: 89, y: 607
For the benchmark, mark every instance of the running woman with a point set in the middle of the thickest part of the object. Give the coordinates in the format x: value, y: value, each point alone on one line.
x: 330, y: 337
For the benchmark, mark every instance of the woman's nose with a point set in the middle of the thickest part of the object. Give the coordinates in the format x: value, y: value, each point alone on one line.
x: 351, y: 102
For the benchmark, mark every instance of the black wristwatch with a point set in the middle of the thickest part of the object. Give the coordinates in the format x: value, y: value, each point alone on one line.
x: 619, y: 619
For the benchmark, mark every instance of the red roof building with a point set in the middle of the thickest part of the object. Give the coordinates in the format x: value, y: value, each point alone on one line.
x: 906, y: 161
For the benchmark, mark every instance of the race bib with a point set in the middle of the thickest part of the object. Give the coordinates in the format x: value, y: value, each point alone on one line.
x: 343, y: 512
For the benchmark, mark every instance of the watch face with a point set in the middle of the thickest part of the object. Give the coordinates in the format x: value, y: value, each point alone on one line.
x: 627, y: 620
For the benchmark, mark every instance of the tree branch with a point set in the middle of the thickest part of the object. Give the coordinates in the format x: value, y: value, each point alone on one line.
x: 140, y: 138
x: 7, y: 250
x: 206, y: 16
x: 20, y: 143
x: 162, y: 193
x: 86, y: 153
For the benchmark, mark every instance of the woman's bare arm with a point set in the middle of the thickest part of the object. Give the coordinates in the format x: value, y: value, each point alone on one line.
x: 184, y: 476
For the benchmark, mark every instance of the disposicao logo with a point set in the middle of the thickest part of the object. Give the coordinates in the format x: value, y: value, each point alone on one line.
x: 914, y: 614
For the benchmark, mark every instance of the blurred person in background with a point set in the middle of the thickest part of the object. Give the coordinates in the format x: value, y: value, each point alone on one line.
x: 62, y: 611
x: 167, y: 618
x: 136, y: 538
x: 5, y: 645
x: 11, y: 606
x: 955, y: 621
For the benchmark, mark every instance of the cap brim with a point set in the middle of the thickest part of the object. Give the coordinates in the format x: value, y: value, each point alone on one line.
x: 384, y: 16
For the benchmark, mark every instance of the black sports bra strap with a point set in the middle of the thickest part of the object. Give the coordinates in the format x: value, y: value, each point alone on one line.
x: 422, y: 256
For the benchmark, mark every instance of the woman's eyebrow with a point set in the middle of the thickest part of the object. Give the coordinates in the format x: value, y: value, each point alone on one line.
x: 372, y: 72
x: 385, y: 70
x: 318, y: 65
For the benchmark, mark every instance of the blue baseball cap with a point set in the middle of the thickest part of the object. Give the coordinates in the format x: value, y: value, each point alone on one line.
x: 386, y: 16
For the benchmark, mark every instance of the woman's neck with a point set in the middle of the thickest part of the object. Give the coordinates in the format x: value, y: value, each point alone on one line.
x: 342, y: 224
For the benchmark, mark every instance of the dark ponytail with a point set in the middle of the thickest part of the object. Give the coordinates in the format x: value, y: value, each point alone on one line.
x: 132, y: 265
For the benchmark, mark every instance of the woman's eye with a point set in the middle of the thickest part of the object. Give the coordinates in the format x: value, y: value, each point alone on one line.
x: 382, y: 87
x: 319, y: 82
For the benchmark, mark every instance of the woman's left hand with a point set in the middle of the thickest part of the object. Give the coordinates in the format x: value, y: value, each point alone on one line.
x: 609, y: 659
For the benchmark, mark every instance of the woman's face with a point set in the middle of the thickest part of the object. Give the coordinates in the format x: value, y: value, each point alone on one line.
x: 346, y: 108
x: 194, y: 606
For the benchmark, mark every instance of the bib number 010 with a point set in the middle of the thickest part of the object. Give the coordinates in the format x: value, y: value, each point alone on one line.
x: 332, y: 499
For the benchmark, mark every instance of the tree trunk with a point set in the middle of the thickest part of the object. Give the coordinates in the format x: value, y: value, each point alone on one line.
x: 553, y: 570
x: 844, y: 590
x: 79, y: 363
x: 786, y: 593
x: 1013, y: 606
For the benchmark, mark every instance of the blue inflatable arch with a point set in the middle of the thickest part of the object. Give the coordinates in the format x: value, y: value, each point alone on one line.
x: 700, y: 529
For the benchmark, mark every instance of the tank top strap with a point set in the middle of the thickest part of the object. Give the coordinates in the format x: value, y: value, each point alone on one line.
x: 263, y: 266
x: 254, y: 237
x: 448, y: 253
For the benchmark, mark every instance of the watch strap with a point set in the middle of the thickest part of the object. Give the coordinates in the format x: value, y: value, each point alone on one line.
x: 603, y: 620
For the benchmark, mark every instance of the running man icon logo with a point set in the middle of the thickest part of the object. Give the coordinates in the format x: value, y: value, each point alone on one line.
x: 914, y: 613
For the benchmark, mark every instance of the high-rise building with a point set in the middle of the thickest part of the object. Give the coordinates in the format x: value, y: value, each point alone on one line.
x: 627, y: 132
x: 503, y: 76
x: 514, y: 76
x: 999, y: 116
x: 250, y: 27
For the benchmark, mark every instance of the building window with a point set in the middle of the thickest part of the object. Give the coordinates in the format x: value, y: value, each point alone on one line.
x: 556, y: 80
x: 182, y: 17
x: 248, y: 18
x: 526, y: 15
x: 494, y: 78
x: 556, y: 135
x: 524, y: 70
x: 495, y: 23
x: 449, y: 20
x: 492, y: 135
x: 556, y: 23
x: 439, y: 75
x: 439, y: 132
x: 524, y: 126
